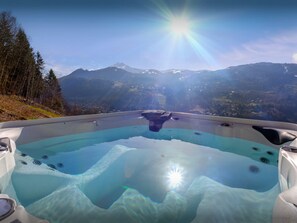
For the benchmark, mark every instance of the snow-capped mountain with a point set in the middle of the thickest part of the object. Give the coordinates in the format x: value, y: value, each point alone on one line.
x: 135, y: 70
x: 127, y: 68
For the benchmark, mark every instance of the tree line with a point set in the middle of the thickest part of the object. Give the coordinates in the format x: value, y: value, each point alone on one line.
x: 22, y: 69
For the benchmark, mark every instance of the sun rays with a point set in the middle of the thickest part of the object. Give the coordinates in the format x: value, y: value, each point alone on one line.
x: 179, y: 26
x: 183, y: 40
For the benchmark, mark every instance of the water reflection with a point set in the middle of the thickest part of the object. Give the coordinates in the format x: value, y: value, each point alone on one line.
x: 175, y: 177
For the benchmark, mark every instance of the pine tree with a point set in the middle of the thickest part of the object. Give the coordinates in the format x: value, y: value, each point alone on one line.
x: 39, y: 68
x: 21, y: 70
x: 24, y: 68
x: 53, y: 94
x: 7, y: 37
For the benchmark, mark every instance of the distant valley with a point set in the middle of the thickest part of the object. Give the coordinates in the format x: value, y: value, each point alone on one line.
x: 260, y: 91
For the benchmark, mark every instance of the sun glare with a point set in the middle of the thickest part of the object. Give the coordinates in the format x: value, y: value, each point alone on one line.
x: 175, y: 177
x: 179, y: 26
x: 294, y: 57
x: 183, y: 30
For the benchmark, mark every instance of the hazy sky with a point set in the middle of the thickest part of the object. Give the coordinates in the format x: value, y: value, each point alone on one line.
x: 93, y: 34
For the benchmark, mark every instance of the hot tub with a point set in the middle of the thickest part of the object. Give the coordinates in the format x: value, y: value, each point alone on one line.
x: 153, y: 166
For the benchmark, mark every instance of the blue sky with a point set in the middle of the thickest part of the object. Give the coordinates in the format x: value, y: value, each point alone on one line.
x: 93, y: 34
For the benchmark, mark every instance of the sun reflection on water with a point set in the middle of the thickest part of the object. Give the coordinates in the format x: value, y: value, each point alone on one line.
x: 175, y: 177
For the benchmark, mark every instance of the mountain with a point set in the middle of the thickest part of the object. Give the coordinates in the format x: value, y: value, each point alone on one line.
x: 261, y: 90
x: 109, y: 74
x: 128, y: 68
x: 149, y: 71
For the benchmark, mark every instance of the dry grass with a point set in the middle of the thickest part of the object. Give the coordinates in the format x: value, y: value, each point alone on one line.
x: 17, y: 108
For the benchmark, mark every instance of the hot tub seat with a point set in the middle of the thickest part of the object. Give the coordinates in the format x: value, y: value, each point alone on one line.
x: 285, y: 209
x: 11, y: 212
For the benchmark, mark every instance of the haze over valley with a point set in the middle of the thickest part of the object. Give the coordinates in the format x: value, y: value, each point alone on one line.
x: 260, y: 91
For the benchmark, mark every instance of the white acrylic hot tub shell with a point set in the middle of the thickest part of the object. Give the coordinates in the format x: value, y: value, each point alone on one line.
x: 7, y: 164
x: 284, y: 211
x: 20, y: 215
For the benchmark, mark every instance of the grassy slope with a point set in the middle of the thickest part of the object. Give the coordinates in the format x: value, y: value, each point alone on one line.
x: 18, y: 108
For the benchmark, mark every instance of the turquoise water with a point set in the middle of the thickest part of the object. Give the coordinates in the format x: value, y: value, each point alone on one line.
x: 76, y: 149
x: 133, y: 175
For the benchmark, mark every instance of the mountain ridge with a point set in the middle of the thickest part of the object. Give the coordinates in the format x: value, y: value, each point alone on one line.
x: 261, y: 90
x: 123, y: 66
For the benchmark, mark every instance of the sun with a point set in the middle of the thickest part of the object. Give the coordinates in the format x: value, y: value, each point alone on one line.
x: 179, y: 26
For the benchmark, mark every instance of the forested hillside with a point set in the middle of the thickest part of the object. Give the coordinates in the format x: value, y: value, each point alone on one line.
x: 22, y: 68
x: 260, y: 91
